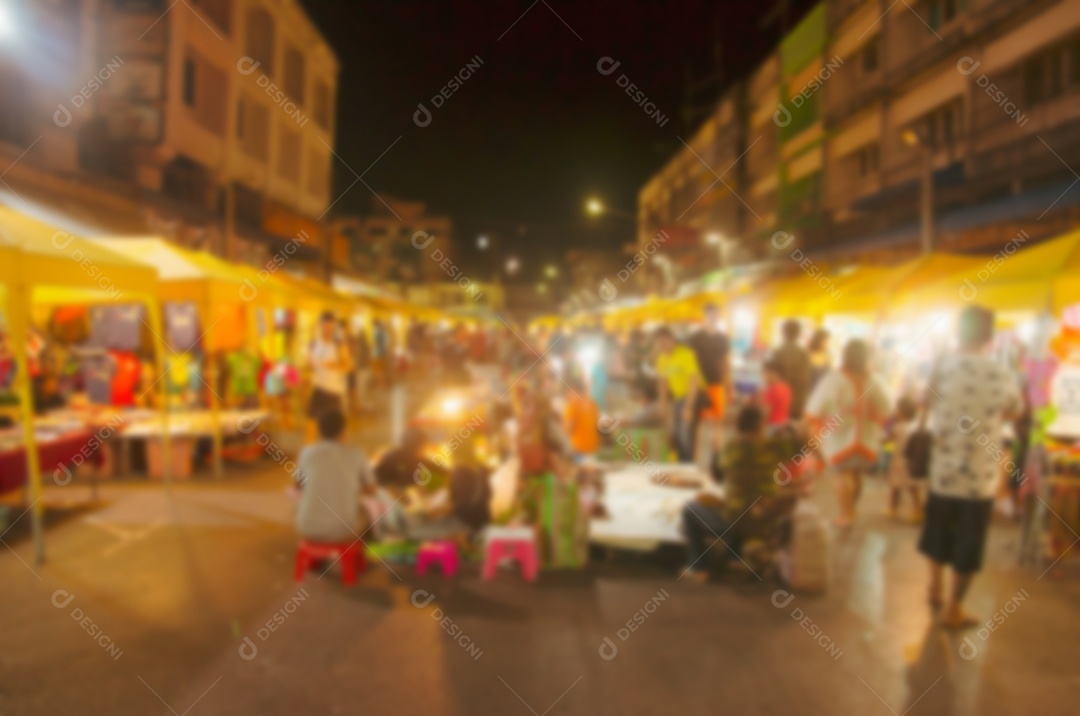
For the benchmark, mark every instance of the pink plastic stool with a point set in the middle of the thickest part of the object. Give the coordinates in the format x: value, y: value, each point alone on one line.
x: 517, y: 543
x: 441, y: 553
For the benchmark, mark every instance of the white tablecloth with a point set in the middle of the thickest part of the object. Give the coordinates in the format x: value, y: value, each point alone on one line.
x: 641, y: 513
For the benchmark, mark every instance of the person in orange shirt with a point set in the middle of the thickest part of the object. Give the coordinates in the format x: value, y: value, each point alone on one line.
x: 580, y: 416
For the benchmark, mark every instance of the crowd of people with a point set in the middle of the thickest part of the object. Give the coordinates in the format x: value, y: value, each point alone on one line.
x: 800, y: 417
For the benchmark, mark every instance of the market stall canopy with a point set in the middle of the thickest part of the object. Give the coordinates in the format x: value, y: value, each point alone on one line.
x: 216, y: 291
x: 316, y: 296
x: 1013, y: 279
x: 881, y: 294
x: 59, y: 267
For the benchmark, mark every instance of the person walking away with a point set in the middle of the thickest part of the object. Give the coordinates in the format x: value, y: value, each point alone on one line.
x: 795, y: 368
x: 362, y: 352
x: 900, y: 477
x: 331, y: 476
x: 680, y: 384
x: 847, y: 412
x: 330, y: 364
x: 775, y: 399
x: 820, y: 360
x: 712, y: 348
x: 969, y: 399
x: 380, y: 353
x: 754, y: 504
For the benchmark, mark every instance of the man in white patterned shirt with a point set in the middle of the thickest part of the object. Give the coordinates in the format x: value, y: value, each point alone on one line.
x: 971, y: 396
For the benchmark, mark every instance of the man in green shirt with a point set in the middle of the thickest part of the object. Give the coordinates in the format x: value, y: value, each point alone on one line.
x: 754, y: 504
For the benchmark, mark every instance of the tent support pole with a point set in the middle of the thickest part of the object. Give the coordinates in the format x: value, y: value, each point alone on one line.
x: 154, y: 311
x: 18, y: 305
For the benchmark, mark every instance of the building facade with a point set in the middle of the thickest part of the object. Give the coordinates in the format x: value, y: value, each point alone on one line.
x: 214, y: 118
x: 862, y: 106
x: 400, y: 242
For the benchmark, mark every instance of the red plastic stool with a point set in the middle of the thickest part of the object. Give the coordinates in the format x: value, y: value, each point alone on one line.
x: 351, y: 557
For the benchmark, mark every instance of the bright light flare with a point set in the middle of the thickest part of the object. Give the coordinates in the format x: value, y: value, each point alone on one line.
x: 452, y: 405
x: 7, y: 22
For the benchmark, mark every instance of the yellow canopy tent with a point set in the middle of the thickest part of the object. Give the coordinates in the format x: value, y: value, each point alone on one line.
x: 1033, y: 279
x: 880, y: 293
x: 218, y: 294
x: 39, y: 263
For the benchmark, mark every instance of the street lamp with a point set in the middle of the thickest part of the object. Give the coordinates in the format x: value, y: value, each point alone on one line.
x: 483, y: 242
x: 917, y: 138
x: 512, y: 265
x: 594, y: 207
x: 551, y: 271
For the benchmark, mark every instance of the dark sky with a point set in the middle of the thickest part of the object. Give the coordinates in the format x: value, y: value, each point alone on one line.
x: 515, y: 151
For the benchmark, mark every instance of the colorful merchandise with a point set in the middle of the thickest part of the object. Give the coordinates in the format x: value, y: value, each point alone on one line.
x: 181, y: 326
x: 126, y: 379
x: 243, y: 373
x: 98, y: 373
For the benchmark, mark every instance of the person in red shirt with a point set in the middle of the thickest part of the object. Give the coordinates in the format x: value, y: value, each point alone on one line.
x: 776, y: 397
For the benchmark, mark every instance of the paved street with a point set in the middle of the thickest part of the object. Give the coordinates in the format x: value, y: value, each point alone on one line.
x: 172, y: 583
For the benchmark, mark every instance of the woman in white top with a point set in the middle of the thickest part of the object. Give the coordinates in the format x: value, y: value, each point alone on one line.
x: 848, y: 411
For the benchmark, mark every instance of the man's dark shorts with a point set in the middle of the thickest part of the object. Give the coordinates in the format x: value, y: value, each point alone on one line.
x: 954, y: 531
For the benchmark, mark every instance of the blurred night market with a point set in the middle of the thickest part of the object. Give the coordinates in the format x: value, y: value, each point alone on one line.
x: 462, y: 357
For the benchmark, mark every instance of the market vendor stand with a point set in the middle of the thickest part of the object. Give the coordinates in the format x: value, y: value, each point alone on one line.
x: 217, y: 295
x: 41, y: 264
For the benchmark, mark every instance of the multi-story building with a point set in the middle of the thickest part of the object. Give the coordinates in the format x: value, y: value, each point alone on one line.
x: 866, y: 104
x: 690, y: 203
x: 214, y: 117
x: 982, y: 99
x: 399, y: 242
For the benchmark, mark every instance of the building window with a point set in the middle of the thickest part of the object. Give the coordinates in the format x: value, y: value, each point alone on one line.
x: 868, y: 56
x: 254, y: 133
x: 293, y: 79
x: 322, y: 104
x: 318, y: 174
x: 204, y: 92
x: 868, y: 159
x: 943, y: 125
x: 1051, y: 72
x: 260, y: 38
x: 941, y: 13
x: 189, y: 82
x: 289, y: 155
x: 218, y: 11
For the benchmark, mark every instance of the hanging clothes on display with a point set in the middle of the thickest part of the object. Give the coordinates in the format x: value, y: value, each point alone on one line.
x: 243, y: 370
x: 70, y: 324
x: 126, y: 380
x: 181, y: 326
x: 120, y: 328
x: 98, y: 374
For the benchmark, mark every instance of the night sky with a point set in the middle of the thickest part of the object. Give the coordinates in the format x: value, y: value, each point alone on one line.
x: 517, y: 148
